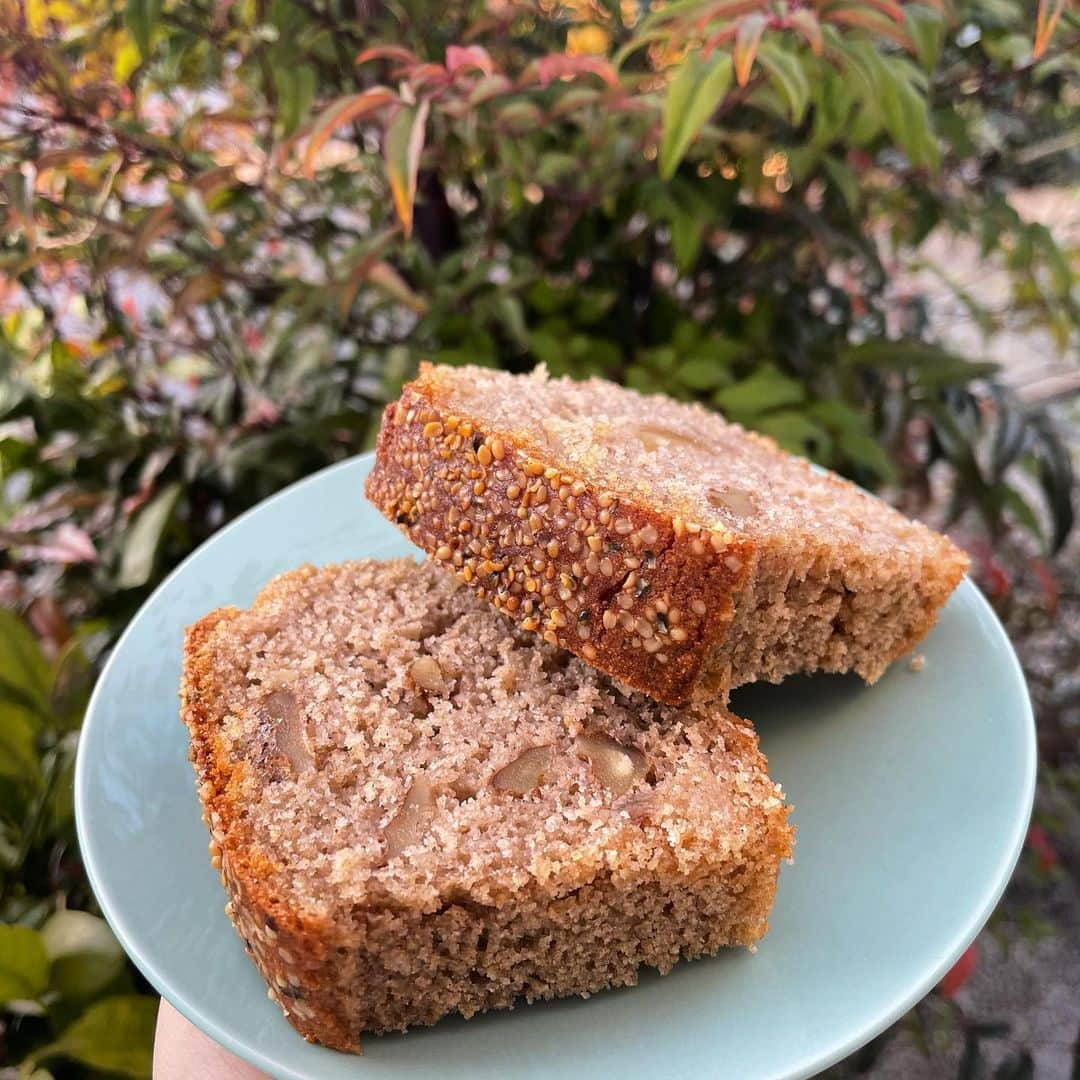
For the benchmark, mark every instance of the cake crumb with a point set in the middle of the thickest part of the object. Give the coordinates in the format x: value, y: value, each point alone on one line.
x: 429, y: 819
x: 917, y: 662
x: 666, y: 546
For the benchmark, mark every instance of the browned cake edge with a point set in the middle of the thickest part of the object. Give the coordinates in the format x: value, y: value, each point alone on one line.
x: 636, y: 593
x: 670, y: 608
x: 390, y: 968
x: 290, y: 949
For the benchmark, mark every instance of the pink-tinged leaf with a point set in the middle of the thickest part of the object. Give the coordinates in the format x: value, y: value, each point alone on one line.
x: 260, y: 413
x: 66, y: 544
x: 402, y: 147
x: 872, y: 21
x: 960, y: 972
x: 806, y: 23
x: 428, y: 74
x: 726, y: 10
x: 747, y: 40
x: 388, y: 52
x: 560, y: 66
x: 337, y: 115
x: 469, y: 58
x: 1045, y: 24
x: 890, y: 8
x: 722, y: 37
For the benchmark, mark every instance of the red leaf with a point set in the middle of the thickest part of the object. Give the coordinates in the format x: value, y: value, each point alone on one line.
x: 747, y: 41
x: 388, y: 52
x: 340, y: 113
x: 560, y: 66
x: 49, y: 624
x: 960, y: 972
x: 1045, y: 24
x: 468, y: 57
x: 1045, y: 854
x: 1048, y: 583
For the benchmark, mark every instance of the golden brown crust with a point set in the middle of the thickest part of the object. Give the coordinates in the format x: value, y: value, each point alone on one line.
x: 673, y: 609
x: 288, y: 948
x: 384, y: 964
x: 637, y: 593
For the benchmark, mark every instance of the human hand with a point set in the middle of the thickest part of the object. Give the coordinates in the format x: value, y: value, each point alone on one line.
x: 182, y: 1051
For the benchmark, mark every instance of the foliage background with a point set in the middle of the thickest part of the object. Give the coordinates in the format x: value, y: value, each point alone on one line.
x: 231, y: 230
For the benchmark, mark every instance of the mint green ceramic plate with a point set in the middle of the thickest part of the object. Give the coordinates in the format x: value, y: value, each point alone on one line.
x: 911, y: 800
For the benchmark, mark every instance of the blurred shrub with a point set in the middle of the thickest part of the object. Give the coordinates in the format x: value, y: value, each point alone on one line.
x: 231, y: 230
x: 68, y: 996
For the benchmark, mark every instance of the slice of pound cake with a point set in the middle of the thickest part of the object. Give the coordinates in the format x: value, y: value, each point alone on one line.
x: 662, y: 544
x: 417, y: 808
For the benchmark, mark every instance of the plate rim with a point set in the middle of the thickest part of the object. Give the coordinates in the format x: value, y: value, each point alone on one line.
x: 157, y: 975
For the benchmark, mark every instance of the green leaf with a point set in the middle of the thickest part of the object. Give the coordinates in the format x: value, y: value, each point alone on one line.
x: 927, y: 29
x: 552, y: 167
x: 546, y: 297
x: 547, y: 347
x: 402, y: 148
x: 593, y: 305
x: 24, y: 964
x: 767, y: 388
x: 721, y: 350
x: 796, y: 432
x: 702, y: 373
x: 915, y: 132
x: 141, y: 19
x: 295, y: 86
x: 865, y: 450
x: 84, y: 955
x: 521, y: 116
x: 844, y: 180
x: 787, y: 74
x: 838, y: 416
x: 696, y: 91
x: 832, y: 106
x: 1012, y: 500
x: 1056, y: 476
x: 23, y: 667
x: 512, y: 316
x: 18, y: 730
x: 687, y: 232
x: 144, y: 537
x: 1061, y: 275
x: 115, y: 1035
x: 641, y: 378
